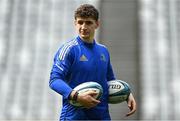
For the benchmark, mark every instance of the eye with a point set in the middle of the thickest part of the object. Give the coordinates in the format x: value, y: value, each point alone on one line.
x: 88, y: 22
x: 80, y: 22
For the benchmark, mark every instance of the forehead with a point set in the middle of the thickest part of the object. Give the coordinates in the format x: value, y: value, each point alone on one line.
x: 84, y: 19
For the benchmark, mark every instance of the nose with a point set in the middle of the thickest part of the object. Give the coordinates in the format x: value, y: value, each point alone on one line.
x: 84, y: 26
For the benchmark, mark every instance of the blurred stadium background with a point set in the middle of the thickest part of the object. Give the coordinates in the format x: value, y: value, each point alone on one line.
x: 143, y: 37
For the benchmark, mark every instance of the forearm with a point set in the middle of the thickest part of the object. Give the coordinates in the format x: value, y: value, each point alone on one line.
x: 60, y: 87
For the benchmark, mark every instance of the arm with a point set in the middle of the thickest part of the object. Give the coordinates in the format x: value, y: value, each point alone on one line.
x: 110, y: 73
x: 59, y: 72
x: 131, y: 101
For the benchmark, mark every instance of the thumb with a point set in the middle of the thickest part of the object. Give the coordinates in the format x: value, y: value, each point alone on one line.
x: 129, y: 103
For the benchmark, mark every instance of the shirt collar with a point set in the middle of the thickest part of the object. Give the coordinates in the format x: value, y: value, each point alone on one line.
x: 85, y: 43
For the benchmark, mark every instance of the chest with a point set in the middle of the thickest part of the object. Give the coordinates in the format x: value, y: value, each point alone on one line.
x: 91, y: 60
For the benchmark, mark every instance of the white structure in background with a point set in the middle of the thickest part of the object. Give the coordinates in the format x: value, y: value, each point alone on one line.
x: 30, y: 33
x: 160, y: 59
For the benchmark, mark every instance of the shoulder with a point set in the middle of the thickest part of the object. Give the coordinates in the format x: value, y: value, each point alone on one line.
x: 66, y: 48
x: 102, y: 47
x: 69, y: 44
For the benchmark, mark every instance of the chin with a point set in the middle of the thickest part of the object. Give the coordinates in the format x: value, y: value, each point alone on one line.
x: 84, y: 37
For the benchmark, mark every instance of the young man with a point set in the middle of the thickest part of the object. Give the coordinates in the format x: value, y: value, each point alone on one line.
x: 81, y: 60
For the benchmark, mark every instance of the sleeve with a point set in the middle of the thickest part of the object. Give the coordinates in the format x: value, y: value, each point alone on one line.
x: 62, y: 63
x: 110, y: 73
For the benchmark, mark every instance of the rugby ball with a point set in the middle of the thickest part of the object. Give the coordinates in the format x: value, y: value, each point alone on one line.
x: 118, y: 91
x: 84, y: 87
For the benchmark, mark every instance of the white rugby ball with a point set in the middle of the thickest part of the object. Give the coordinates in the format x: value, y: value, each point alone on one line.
x: 118, y: 91
x: 84, y: 87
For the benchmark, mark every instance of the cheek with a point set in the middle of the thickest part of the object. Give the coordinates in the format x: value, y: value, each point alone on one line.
x: 93, y: 28
x: 78, y: 28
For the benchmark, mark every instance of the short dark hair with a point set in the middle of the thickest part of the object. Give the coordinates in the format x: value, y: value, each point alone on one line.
x: 86, y: 11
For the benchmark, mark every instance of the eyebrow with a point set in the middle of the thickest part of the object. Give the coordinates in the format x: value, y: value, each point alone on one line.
x: 86, y: 21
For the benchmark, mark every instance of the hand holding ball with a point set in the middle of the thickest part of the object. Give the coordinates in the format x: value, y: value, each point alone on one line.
x: 92, y: 88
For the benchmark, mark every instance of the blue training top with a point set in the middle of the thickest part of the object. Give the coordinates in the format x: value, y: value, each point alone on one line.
x: 77, y: 62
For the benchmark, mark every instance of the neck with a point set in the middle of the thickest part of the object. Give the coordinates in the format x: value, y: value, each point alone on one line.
x: 88, y: 40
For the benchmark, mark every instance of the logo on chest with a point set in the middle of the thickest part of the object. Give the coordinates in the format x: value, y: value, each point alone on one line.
x: 83, y: 58
x: 102, y: 57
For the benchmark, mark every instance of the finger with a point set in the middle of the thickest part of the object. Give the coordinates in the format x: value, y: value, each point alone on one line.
x: 132, y: 108
x: 95, y: 101
x: 130, y: 113
x: 92, y: 93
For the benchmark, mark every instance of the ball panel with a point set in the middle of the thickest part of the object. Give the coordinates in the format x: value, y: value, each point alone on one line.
x: 117, y: 99
x: 115, y: 87
x: 118, y: 91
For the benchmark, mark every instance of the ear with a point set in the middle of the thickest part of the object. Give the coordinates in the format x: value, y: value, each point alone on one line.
x: 97, y: 24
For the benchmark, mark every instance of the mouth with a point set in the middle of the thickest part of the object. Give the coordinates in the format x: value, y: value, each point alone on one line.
x: 84, y: 33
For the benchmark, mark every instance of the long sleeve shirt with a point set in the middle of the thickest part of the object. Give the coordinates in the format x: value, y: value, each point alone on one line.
x: 77, y: 62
